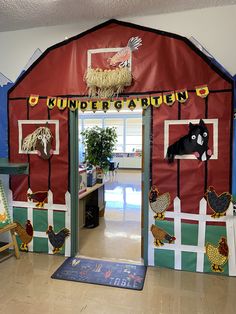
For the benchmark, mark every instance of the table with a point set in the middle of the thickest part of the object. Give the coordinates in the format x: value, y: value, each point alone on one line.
x: 11, y: 227
x: 94, y: 195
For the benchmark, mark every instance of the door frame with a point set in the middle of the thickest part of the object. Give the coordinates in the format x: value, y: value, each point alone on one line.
x: 74, y: 188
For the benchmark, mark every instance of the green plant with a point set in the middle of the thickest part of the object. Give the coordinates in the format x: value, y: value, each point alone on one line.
x: 99, y: 145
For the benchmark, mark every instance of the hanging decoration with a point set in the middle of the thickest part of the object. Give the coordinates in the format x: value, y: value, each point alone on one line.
x: 218, y: 255
x: 33, y: 100
x: 160, y: 235
x: 169, y: 98
x: 195, y: 142
x: 25, y: 234
x: 218, y: 203
x: 61, y: 103
x: 39, y: 197
x: 97, y: 102
x: 202, y: 91
x: 159, y: 202
x: 40, y: 140
x: 57, y: 240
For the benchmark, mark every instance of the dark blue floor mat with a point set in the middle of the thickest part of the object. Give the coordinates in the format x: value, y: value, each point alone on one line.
x: 121, y: 275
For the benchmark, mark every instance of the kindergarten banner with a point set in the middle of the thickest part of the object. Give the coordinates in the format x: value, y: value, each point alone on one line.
x: 119, y: 103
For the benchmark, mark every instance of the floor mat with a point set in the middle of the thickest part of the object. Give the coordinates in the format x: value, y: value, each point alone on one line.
x: 121, y: 275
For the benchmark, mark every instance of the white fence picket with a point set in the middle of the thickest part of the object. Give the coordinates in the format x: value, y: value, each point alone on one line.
x: 201, y: 235
x: 177, y: 233
x: 230, y: 225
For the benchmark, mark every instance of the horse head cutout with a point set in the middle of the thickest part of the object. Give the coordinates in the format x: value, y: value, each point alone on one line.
x: 40, y: 140
x: 195, y: 143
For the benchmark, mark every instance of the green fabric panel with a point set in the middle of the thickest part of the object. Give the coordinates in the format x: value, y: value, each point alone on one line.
x: 168, y: 226
x: 189, y: 261
x: 40, y: 245
x: 213, y: 235
x: 20, y: 214
x: 58, y: 224
x: 164, y: 258
x: 58, y: 220
x: 189, y: 234
x: 40, y: 219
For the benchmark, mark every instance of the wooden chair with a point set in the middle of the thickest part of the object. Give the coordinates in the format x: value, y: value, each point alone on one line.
x: 11, y: 228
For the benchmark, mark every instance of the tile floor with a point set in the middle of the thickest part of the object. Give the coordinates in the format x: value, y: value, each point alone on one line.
x: 26, y: 288
x: 118, y: 235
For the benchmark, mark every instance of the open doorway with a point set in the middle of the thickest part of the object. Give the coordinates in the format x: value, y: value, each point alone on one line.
x: 118, y: 235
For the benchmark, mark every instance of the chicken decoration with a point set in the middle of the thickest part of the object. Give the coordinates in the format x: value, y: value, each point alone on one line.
x: 122, y: 57
x: 57, y: 240
x: 39, y: 197
x: 161, y: 235
x: 218, y: 256
x: 159, y: 202
x: 218, y: 203
x: 25, y: 234
x: 110, y: 82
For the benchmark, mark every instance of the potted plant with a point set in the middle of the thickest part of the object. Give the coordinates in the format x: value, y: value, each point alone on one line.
x: 99, y: 145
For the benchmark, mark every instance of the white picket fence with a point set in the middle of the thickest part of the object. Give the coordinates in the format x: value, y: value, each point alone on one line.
x: 50, y: 207
x: 199, y: 249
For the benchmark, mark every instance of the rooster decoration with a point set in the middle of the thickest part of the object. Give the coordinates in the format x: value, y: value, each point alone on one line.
x: 57, y: 240
x: 161, y: 235
x: 218, y: 203
x: 218, y: 256
x: 122, y: 57
x: 25, y: 234
x: 159, y: 202
x: 38, y: 197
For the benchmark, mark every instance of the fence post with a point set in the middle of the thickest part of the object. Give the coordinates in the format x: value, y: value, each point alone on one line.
x: 151, y: 248
x: 230, y: 224
x: 68, y: 224
x: 30, y: 217
x: 177, y: 233
x: 50, y: 217
x: 201, y: 235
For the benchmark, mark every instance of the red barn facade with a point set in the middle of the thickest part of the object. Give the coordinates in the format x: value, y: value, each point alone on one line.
x: 164, y: 63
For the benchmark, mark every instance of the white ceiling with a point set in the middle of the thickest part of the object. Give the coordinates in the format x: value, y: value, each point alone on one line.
x: 21, y: 14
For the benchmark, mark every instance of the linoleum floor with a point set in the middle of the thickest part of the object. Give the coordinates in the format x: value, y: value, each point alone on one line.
x: 118, y: 235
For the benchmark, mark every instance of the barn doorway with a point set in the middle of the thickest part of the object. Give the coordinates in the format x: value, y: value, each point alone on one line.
x: 118, y: 235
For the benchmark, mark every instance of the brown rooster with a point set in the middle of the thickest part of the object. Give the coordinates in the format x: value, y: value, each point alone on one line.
x: 218, y: 256
x: 57, y: 240
x: 218, y: 203
x: 160, y: 235
x: 25, y: 234
x: 159, y: 202
x: 39, y: 197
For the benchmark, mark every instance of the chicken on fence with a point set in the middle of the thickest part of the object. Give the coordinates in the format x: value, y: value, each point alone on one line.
x: 57, y: 240
x: 25, y: 234
x: 218, y: 255
x: 218, y: 203
x: 161, y: 235
x: 159, y: 202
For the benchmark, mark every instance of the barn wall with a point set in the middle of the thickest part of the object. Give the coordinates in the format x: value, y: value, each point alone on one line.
x: 188, y: 23
x: 164, y: 62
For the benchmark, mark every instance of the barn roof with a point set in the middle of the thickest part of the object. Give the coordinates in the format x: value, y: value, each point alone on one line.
x: 166, y: 61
